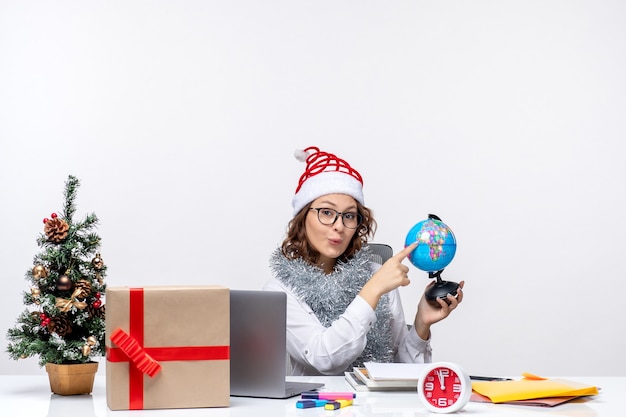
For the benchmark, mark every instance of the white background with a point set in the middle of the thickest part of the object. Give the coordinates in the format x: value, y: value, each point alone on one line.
x: 180, y: 118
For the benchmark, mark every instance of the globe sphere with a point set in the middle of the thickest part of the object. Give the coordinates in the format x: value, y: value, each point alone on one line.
x: 437, y: 245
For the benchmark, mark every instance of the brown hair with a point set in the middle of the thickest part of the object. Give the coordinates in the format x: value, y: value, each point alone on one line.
x: 296, y: 245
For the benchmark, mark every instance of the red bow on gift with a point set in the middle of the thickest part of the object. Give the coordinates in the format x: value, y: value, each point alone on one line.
x: 135, y: 352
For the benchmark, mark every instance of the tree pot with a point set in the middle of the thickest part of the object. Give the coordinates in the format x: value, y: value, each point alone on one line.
x: 71, y: 379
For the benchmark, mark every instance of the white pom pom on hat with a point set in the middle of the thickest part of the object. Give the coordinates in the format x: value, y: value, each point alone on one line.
x: 325, y: 173
x: 300, y: 155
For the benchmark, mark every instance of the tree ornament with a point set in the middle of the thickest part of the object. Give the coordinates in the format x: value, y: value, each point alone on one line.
x: 82, y: 289
x: 45, y: 320
x: 53, y: 215
x: 86, y: 349
x: 36, y: 293
x: 56, y: 229
x: 96, y: 312
x: 64, y: 283
x: 39, y: 271
x: 97, y: 304
x: 65, y: 305
x: 97, y: 261
x: 59, y: 325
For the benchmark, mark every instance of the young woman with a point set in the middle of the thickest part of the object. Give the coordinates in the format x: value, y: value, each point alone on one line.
x: 342, y: 308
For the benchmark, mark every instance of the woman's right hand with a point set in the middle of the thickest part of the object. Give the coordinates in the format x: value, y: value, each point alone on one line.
x: 391, y: 275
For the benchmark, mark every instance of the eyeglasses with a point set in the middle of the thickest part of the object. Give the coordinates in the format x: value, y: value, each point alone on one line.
x: 328, y: 217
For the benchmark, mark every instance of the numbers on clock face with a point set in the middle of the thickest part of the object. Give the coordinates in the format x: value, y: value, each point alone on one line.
x: 442, y: 387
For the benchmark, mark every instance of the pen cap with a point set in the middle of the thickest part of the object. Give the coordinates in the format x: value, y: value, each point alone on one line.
x: 334, y: 405
x: 310, y: 403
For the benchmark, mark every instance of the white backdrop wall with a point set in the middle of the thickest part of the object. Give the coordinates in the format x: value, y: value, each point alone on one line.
x: 180, y: 118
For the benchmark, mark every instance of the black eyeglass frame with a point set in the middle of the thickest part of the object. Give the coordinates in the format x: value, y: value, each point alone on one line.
x: 359, y: 218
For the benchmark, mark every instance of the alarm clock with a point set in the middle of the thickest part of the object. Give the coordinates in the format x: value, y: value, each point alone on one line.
x: 444, y: 387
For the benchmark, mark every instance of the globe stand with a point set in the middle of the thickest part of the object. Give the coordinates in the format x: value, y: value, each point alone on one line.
x: 440, y: 289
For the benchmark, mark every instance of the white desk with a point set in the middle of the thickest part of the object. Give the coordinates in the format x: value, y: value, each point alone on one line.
x: 30, y: 395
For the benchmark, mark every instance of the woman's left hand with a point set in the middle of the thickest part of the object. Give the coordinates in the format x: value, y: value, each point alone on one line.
x: 428, y: 314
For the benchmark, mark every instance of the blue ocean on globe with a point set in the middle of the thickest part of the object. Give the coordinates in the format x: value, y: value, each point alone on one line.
x: 437, y: 245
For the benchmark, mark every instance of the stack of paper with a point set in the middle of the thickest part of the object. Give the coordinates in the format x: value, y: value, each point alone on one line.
x: 385, y: 376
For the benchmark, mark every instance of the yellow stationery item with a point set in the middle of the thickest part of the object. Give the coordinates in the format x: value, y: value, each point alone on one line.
x: 337, y: 404
x: 531, y: 387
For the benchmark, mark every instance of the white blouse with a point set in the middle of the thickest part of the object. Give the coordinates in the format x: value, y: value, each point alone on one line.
x: 317, y: 350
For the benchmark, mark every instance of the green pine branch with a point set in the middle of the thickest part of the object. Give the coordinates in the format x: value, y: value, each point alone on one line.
x: 71, y: 188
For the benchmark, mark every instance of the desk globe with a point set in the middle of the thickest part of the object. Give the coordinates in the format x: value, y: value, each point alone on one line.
x: 436, y: 249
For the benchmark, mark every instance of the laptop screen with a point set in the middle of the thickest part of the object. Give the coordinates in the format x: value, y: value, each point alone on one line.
x: 257, y: 342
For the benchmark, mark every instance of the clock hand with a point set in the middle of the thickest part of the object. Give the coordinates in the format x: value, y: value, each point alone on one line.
x: 441, y: 383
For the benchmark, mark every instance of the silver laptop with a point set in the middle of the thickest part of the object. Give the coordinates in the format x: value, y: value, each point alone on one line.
x: 258, y: 350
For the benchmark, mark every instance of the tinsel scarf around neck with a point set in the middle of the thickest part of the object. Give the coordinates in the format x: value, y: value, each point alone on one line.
x: 329, y: 295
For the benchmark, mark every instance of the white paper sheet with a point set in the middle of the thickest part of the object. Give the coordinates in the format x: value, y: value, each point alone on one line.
x: 395, y: 371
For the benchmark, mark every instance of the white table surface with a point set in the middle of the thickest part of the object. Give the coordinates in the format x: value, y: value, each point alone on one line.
x: 29, y: 395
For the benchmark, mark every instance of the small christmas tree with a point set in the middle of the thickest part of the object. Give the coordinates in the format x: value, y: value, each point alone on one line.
x: 64, y: 321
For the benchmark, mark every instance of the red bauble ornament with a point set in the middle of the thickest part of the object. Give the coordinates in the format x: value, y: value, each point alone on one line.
x: 46, y: 220
x: 53, y: 215
x: 97, y: 304
x: 97, y: 295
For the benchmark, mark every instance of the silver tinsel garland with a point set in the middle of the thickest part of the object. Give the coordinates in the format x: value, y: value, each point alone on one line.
x: 329, y: 295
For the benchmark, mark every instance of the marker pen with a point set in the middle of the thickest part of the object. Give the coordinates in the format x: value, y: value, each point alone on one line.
x: 310, y: 403
x: 334, y: 405
x: 324, y: 395
x: 488, y: 378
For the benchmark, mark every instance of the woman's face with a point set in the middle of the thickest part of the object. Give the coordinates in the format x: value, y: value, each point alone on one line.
x: 330, y: 241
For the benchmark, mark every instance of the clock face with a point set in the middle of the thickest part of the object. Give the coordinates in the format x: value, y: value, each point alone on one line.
x: 444, y: 388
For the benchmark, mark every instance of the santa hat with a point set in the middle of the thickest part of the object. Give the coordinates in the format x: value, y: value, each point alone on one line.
x: 325, y: 173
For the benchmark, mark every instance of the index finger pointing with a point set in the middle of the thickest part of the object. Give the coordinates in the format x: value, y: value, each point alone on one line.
x: 406, y: 251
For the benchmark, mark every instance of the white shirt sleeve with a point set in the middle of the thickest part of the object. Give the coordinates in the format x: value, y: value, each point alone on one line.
x: 410, y: 347
x: 317, y: 350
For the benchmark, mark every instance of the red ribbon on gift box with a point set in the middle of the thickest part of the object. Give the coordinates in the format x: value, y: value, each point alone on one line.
x: 146, y: 359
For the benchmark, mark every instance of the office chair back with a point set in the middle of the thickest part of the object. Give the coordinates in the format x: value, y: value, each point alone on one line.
x: 380, y: 252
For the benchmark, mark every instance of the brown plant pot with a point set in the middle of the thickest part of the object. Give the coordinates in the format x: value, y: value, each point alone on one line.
x: 71, y: 379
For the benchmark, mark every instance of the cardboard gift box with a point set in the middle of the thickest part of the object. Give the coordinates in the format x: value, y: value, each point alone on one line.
x: 167, y: 347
